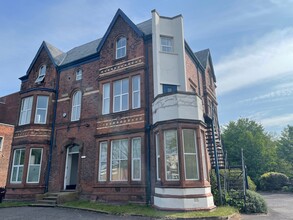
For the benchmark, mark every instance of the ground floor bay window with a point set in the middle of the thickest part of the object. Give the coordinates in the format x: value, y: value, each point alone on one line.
x: 32, y: 167
x: 181, y: 169
x: 189, y: 162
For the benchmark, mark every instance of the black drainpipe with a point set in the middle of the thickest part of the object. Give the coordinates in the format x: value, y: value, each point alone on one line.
x: 52, y: 133
x: 148, y: 126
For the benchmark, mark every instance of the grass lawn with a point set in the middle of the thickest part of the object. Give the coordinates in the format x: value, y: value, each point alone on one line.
x: 142, y: 210
x: 13, y: 204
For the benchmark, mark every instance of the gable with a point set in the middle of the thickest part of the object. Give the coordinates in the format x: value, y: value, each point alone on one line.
x: 119, y: 15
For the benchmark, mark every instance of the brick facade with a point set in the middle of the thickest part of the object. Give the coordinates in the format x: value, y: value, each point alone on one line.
x: 111, y: 155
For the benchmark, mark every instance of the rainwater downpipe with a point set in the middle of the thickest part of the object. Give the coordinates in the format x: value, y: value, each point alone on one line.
x: 52, y: 133
x: 148, y: 126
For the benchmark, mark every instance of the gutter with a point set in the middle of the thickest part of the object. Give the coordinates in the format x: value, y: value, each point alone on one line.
x: 52, y: 132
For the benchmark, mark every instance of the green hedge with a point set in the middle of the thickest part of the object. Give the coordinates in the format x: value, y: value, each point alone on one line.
x: 254, y: 202
x: 273, y: 181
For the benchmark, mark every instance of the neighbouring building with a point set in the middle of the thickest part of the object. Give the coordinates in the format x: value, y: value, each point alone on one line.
x: 8, y: 111
x: 129, y: 117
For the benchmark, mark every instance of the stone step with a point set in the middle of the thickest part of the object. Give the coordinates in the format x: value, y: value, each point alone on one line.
x: 46, y: 201
x: 42, y: 205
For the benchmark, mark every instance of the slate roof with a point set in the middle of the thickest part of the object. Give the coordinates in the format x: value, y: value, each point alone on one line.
x: 203, y: 56
x: 90, y: 48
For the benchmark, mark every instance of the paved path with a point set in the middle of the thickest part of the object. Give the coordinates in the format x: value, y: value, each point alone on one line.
x: 41, y: 213
x: 280, y: 207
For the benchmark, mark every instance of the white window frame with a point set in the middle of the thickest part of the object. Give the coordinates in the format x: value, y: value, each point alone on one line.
x: 158, y: 157
x: 168, y: 179
x: 121, y: 47
x: 120, y: 95
x: 103, y: 146
x: 37, y: 108
x: 106, y: 89
x: 25, y: 110
x: 119, y: 161
x: 136, y: 159
x: 18, y: 166
x: 203, y: 156
x: 190, y: 154
x: 42, y: 74
x: 76, y: 106
x: 136, y: 92
x: 36, y: 165
x: 78, y: 75
x: 169, y: 46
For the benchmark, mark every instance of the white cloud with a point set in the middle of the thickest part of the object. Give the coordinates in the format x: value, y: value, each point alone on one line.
x: 270, y: 56
x: 277, y: 121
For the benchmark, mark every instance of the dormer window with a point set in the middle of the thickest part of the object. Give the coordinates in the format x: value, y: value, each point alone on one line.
x: 42, y: 73
x: 121, y: 48
x: 78, y: 75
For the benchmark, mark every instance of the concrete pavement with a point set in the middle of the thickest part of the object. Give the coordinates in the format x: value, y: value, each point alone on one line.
x: 280, y: 207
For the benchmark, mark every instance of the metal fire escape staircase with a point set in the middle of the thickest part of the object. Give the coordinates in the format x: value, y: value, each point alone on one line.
x: 213, y: 139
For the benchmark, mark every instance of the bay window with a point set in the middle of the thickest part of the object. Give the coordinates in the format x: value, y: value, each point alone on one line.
x: 41, y: 110
x: 17, y: 166
x: 171, y: 155
x: 190, y: 154
x: 25, y: 110
x: 158, y: 157
x: 34, y: 166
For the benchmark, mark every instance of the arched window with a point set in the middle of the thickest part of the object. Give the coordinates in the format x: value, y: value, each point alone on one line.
x: 76, y: 105
x: 121, y: 48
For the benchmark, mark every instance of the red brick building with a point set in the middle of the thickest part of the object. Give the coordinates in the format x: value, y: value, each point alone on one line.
x: 8, y: 111
x: 122, y: 118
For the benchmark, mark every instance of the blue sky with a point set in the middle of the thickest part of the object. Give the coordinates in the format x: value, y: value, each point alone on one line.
x: 251, y: 44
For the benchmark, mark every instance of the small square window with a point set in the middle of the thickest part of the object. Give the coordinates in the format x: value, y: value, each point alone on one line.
x: 42, y: 73
x: 78, y: 75
x: 167, y: 44
x: 167, y: 88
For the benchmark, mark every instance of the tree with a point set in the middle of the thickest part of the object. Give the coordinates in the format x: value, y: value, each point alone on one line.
x: 285, y: 149
x: 259, y: 148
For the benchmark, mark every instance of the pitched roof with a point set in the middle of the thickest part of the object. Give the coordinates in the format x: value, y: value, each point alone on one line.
x: 56, y: 54
x: 203, y: 56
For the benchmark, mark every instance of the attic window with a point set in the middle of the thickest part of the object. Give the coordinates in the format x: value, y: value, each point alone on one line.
x: 42, y: 73
x: 121, y: 48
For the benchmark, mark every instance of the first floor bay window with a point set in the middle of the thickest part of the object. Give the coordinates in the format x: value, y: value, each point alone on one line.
x: 17, y: 166
x: 171, y: 155
x: 34, y: 166
x: 26, y: 110
x: 121, y: 95
x: 41, y: 110
x: 190, y: 154
x: 119, y: 160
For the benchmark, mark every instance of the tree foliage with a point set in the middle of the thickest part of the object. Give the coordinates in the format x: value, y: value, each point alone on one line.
x: 258, y: 147
x: 285, y: 149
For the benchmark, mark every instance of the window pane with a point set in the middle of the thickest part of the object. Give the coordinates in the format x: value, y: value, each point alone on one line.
x: 103, y: 162
x: 191, y: 167
x: 117, y: 87
x: 42, y: 102
x: 189, y: 141
x: 171, y: 155
x: 119, y: 157
x: 125, y: 86
x: 14, y: 173
x: 136, y: 151
x: 106, y: 98
x: 124, y: 169
x: 33, y: 173
x: 115, y: 171
x: 136, y: 169
x: 125, y: 102
x: 21, y: 157
x: 35, y: 157
x: 124, y: 149
x: 117, y: 104
x: 20, y: 172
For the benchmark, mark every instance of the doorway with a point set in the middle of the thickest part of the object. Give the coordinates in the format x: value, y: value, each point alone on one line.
x: 71, y: 167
